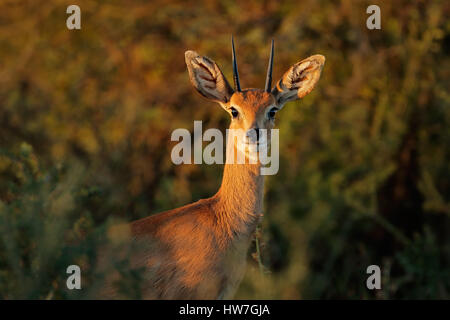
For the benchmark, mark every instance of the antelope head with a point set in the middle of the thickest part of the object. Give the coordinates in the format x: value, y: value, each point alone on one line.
x: 252, y: 110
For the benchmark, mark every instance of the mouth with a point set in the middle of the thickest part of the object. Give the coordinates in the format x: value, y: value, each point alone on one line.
x: 255, y: 146
x: 253, y: 150
x: 261, y: 142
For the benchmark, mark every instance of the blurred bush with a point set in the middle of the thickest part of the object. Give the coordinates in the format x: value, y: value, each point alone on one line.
x: 86, y: 118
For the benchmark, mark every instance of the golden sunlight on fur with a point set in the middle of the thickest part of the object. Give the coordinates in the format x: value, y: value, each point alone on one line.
x: 199, y: 251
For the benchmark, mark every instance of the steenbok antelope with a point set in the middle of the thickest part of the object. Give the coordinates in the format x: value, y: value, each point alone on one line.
x: 199, y: 251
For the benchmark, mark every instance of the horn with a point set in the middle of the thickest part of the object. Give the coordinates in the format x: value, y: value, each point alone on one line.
x: 237, y: 85
x: 269, y: 71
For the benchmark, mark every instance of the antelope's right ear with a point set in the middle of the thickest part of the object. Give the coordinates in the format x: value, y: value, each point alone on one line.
x: 207, y: 78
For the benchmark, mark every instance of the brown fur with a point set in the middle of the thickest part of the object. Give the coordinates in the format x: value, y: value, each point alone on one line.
x: 206, y: 243
x: 199, y: 251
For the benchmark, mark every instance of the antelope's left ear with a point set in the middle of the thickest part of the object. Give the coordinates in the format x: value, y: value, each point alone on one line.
x: 299, y: 80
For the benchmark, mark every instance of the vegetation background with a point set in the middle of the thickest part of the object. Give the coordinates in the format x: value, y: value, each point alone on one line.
x: 86, y: 118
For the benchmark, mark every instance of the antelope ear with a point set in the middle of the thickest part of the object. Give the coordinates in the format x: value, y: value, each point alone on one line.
x: 207, y: 78
x: 299, y: 80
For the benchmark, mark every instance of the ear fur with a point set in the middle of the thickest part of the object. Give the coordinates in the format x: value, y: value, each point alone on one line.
x: 207, y: 78
x: 299, y: 80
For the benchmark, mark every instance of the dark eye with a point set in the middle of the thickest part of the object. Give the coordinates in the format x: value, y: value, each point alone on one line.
x: 234, y: 112
x: 272, y: 113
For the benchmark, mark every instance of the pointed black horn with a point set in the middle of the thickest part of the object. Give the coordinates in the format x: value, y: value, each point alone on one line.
x: 269, y: 71
x: 237, y: 85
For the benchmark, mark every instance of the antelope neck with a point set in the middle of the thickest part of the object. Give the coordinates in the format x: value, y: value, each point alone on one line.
x: 240, y: 198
